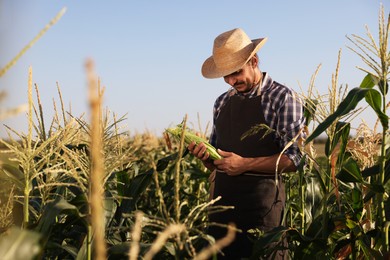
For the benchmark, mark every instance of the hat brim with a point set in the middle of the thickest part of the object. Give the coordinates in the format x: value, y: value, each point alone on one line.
x: 211, y: 71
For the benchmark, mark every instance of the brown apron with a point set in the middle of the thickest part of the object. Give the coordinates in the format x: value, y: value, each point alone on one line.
x: 257, y: 201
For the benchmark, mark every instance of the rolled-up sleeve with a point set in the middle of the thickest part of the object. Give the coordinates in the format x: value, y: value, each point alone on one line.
x: 290, y: 125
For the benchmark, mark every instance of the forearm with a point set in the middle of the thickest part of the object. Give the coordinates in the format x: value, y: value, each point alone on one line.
x: 268, y: 164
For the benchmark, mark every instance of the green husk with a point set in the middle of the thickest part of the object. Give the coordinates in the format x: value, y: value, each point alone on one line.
x: 190, y: 136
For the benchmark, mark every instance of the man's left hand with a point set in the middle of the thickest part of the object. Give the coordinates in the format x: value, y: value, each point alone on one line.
x: 232, y: 164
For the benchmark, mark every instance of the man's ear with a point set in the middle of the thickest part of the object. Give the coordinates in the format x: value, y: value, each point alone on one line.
x: 254, y: 61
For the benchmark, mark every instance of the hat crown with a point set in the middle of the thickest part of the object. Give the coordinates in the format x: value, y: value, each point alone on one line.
x: 231, y: 41
x: 231, y: 45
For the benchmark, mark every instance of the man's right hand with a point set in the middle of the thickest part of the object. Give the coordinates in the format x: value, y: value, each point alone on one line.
x: 200, y: 152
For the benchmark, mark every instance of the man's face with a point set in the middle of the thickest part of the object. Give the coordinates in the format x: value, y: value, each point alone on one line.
x: 242, y: 80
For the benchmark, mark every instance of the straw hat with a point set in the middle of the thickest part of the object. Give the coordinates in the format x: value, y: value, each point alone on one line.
x: 231, y: 50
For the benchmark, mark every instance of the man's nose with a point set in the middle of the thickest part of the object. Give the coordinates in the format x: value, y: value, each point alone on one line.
x: 230, y: 80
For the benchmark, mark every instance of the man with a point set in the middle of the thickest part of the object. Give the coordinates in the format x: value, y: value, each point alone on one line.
x: 245, y: 176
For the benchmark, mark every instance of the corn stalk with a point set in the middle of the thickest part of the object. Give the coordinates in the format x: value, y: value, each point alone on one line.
x: 378, y: 75
x: 97, y: 165
x: 377, y: 101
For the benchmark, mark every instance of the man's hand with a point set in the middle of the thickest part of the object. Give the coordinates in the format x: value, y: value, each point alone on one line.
x: 232, y: 164
x: 200, y: 152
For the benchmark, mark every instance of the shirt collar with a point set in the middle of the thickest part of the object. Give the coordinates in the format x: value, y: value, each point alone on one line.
x: 266, y: 83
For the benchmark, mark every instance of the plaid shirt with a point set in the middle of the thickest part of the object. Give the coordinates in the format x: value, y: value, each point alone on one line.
x: 282, y: 110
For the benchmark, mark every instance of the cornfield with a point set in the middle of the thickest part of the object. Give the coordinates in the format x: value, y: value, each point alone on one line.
x: 85, y: 188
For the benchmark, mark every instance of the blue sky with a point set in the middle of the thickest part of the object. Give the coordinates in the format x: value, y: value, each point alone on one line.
x: 148, y: 54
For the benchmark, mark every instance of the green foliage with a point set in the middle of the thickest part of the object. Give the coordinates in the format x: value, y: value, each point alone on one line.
x: 58, y: 198
x: 19, y: 244
x: 337, y: 207
x: 351, y: 215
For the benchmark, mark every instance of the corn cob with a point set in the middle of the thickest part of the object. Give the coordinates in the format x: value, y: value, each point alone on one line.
x: 189, y: 137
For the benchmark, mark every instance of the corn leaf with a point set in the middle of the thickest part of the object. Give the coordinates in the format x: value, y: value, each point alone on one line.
x: 368, y: 81
x: 374, y: 99
x: 347, y: 105
x: 20, y: 244
x: 350, y: 172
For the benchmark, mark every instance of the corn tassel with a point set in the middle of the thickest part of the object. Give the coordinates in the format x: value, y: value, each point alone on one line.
x: 192, y: 137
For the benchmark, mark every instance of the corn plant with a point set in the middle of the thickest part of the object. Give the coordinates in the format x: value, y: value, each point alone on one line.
x: 349, y: 219
x: 87, y: 188
x: 180, y: 198
x: 379, y: 76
